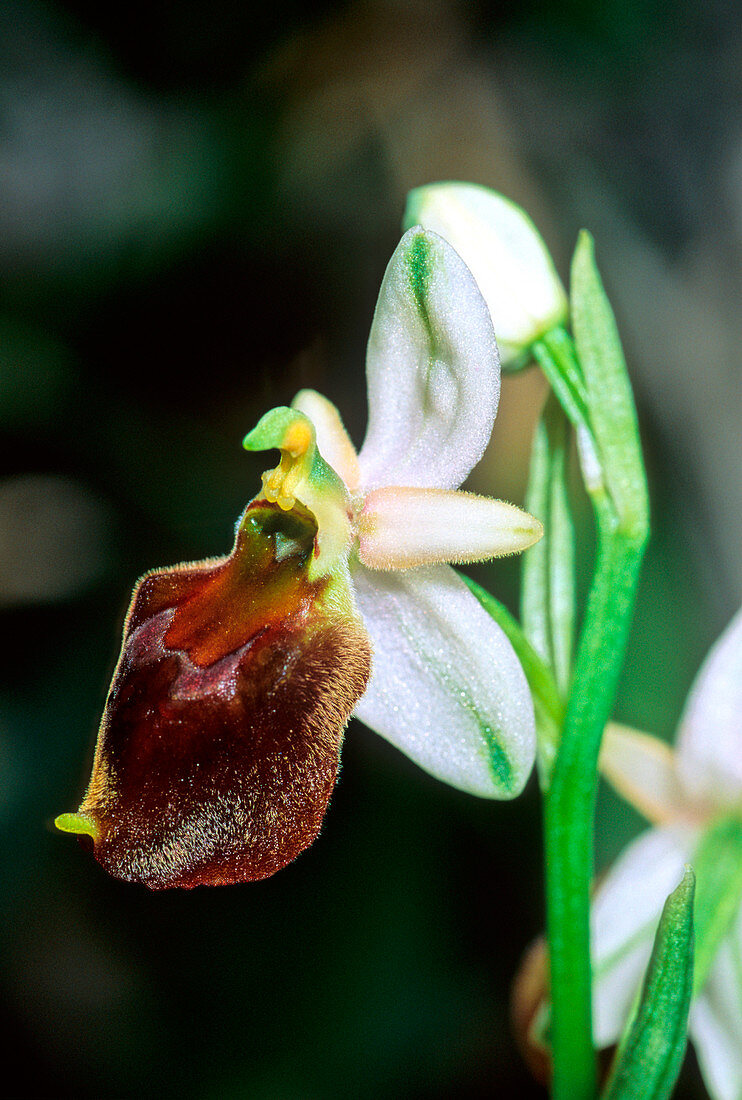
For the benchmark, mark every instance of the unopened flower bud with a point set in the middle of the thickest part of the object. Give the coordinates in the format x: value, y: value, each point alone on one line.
x: 506, y: 255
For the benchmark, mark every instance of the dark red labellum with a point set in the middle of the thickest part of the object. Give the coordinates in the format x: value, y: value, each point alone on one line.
x: 219, y: 745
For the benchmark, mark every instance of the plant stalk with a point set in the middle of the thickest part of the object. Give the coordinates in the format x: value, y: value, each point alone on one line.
x: 570, y: 805
x: 570, y: 801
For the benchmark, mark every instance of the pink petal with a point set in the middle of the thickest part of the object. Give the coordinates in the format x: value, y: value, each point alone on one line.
x: 643, y: 770
x: 403, y: 527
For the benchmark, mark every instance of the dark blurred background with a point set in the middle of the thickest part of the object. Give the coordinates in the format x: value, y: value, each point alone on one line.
x: 197, y: 205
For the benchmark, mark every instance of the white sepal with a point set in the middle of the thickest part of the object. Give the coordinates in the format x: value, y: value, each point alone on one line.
x: 432, y: 369
x: 716, y: 1021
x: 624, y: 918
x: 446, y: 687
x: 402, y: 527
x: 709, y: 745
x: 505, y: 254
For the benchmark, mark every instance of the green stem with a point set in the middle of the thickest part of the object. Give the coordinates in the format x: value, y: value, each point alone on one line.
x: 569, y: 808
x: 570, y: 801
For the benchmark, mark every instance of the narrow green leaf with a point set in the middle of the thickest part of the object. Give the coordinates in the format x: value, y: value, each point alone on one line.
x: 608, y: 391
x: 651, y: 1053
x: 718, y: 864
x: 548, y: 705
x: 534, y: 591
x: 555, y: 354
x: 557, y: 357
x: 547, y: 594
x: 561, y: 551
x: 587, y: 384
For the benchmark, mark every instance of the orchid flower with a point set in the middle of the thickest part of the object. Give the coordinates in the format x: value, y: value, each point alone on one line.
x: 693, y: 796
x: 219, y: 746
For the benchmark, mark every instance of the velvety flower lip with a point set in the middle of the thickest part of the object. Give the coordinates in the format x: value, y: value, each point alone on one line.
x: 685, y: 793
x: 219, y: 745
x: 220, y: 742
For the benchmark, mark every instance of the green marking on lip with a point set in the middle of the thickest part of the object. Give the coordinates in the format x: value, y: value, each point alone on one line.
x: 77, y: 823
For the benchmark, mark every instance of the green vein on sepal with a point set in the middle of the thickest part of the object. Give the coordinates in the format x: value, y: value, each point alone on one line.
x: 651, y: 1052
x: 548, y: 705
x: 499, y: 761
x: 419, y: 259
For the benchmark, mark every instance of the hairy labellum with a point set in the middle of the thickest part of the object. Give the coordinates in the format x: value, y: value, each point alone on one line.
x: 219, y: 745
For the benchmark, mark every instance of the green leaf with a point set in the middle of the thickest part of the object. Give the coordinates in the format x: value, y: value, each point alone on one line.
x: 592, y: 386
x: 534, y: 595
x: 548, y: 596
x: 718, y: 864
x: 561, y: 565
x: 557, y: 357
x: 555, y: 354
x: 608, y: 392
x: 651, y: 1053
x: 548, y: 706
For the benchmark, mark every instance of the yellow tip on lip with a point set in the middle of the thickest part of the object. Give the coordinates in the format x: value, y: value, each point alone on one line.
x: 77, y: 823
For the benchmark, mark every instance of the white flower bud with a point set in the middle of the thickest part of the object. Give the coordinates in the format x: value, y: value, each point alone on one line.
x: 506, y: 255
